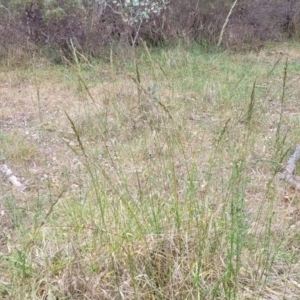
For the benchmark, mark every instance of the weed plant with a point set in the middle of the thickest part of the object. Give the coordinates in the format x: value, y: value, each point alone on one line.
x: 163, y: 184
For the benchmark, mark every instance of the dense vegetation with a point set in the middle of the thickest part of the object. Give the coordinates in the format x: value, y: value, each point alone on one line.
x: 93, y: 26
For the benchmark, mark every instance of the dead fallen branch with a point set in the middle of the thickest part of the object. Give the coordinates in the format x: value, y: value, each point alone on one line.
x: 7, y: 172
x: 287, y: 173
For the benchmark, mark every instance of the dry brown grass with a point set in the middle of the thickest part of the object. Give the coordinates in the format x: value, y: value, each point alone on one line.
x: 166, y: 195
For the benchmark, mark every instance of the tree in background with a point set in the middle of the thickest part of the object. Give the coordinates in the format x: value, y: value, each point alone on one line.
x: 93, y: 25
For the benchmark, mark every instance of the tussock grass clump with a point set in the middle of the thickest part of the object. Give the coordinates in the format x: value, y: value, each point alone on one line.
x: 156, y: 182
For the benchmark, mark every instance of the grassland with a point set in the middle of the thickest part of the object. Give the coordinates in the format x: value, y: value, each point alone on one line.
x: 151, y: 176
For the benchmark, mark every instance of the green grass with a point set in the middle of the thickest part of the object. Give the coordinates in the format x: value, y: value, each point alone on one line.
x: 151, y: 179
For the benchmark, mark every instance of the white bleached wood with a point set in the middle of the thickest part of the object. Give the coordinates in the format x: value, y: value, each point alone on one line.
x: 6, y: 171
x: 287, y: 173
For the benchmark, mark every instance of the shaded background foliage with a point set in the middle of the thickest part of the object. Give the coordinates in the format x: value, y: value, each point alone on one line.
x: 95, y: 25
